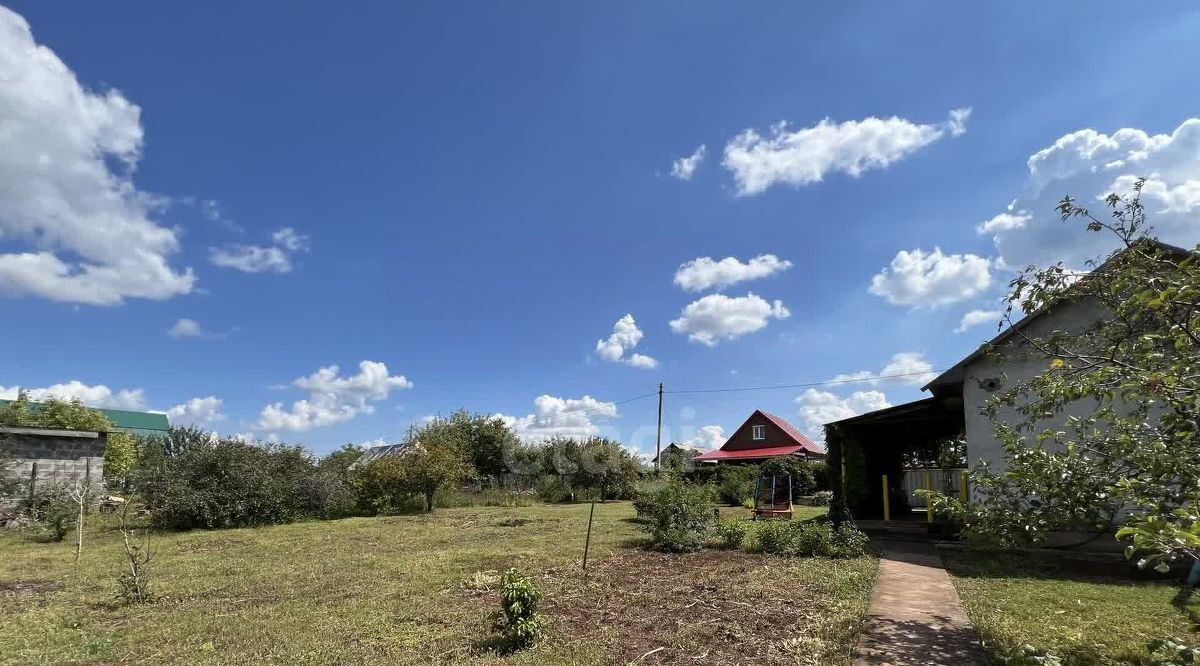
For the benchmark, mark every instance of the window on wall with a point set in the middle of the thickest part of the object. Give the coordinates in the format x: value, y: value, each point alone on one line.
x: 758, y: 432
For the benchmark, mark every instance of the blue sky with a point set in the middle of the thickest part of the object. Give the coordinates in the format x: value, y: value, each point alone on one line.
x: 453, y: 203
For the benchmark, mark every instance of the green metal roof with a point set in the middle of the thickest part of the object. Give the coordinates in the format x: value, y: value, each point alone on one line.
x: 138, y: 423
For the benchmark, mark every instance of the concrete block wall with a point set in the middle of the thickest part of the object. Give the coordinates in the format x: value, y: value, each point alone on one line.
x: 60, y: 457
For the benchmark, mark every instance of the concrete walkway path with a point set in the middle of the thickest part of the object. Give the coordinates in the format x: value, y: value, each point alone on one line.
x: 915, y: 616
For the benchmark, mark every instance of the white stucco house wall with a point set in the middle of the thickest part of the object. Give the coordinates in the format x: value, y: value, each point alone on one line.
x: 983, y: 374
x: 955, y: 408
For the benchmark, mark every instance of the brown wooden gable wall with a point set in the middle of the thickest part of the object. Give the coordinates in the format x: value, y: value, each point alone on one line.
x: 742, y: 438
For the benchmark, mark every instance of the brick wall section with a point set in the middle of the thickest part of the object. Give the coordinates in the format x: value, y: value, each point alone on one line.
x: 61, y: 456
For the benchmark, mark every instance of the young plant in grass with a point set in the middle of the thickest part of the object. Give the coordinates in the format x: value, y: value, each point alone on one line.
x: 133, y: 582
x: 519, y: 623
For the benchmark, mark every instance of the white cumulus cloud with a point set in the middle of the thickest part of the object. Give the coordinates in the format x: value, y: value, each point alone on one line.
x: 976, y: 317
x: 566, y: 417
x: 625, y: 336
x: 332, y: 398
x: 719, y: 317
x: 1006, y: 221
x: 187, y: 328
x: 275, y: 258
x: 904, y: 367
x: 705, y: 272
x: 816, y: 408
x: 707, y: 437
x: 805, y: 156
x: 1088, y: 165
x: 684, y: 168
x: 197, y: 411
x: 930, y: 279
x: 99, y: 395
x: 67, y: 196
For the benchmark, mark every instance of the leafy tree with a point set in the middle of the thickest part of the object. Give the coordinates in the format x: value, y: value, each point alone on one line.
x: 484, y: 441
x: 379, y: 486
x: 336, y: 464
x: 434, y: 459
x: 1132, y: 459
x: 606, y: 466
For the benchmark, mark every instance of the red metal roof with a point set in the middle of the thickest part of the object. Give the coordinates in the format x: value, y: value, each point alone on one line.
x: 796, y: 435
x: 743, y: 454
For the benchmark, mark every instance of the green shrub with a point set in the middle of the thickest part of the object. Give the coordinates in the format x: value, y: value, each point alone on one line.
x: 807, y: 539
x: 519, y: 622
x: 770, y: 536
x: 233, y: 484
x: 326, y: 497
x: 644, y: 497
x: 735, y: 484
x: 732, y: 533
x: 551, y: 488
x: 810, y: 540
x: 678, y: 516
x: 53, y: 510
x: 849, y: 541
x: 823, y: 498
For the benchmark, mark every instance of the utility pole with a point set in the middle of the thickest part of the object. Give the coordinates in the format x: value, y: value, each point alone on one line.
x: 658, y: 440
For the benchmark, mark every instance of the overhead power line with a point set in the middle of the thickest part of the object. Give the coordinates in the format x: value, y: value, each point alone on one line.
x: 828, y: 382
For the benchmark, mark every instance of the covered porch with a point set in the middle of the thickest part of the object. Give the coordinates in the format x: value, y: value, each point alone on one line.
x: 916, y: 444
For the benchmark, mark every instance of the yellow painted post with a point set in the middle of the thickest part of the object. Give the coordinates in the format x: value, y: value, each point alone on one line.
x: 887, y: 507
x: 966, y: 494
x: 928, y: 504
x: 844, y: 481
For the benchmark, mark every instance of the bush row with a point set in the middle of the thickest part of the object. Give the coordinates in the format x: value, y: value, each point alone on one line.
x: 192, y: 478
x: 679, y: 517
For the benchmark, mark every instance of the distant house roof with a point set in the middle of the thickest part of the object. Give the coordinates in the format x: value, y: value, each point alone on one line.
x: 793, y: 442
x: 377, y: 452
x: 138, y: 423
x: 675, y: 446
x: 751, y: 454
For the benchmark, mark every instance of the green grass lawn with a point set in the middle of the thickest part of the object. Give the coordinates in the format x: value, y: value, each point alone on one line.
x: 390, y: 590
x: 1083, y: 619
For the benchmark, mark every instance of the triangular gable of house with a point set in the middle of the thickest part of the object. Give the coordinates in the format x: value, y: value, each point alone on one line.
x: 954, y: 375
x: 781, y: 438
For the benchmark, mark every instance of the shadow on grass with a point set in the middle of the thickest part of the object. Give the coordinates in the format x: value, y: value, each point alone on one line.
x: 1183, y: 602
x: 500, y: 646
x: 1066, y: 566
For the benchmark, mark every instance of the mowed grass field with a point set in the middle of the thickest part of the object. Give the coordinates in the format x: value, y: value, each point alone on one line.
x: 396, y: 590
x: 1085, y: 620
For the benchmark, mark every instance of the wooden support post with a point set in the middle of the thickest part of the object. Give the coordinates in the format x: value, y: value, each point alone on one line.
x: 32, y: 482
x: 928, y: 504
x: 966, y: 493
x: 587, y: 543
x: 887, y: 505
